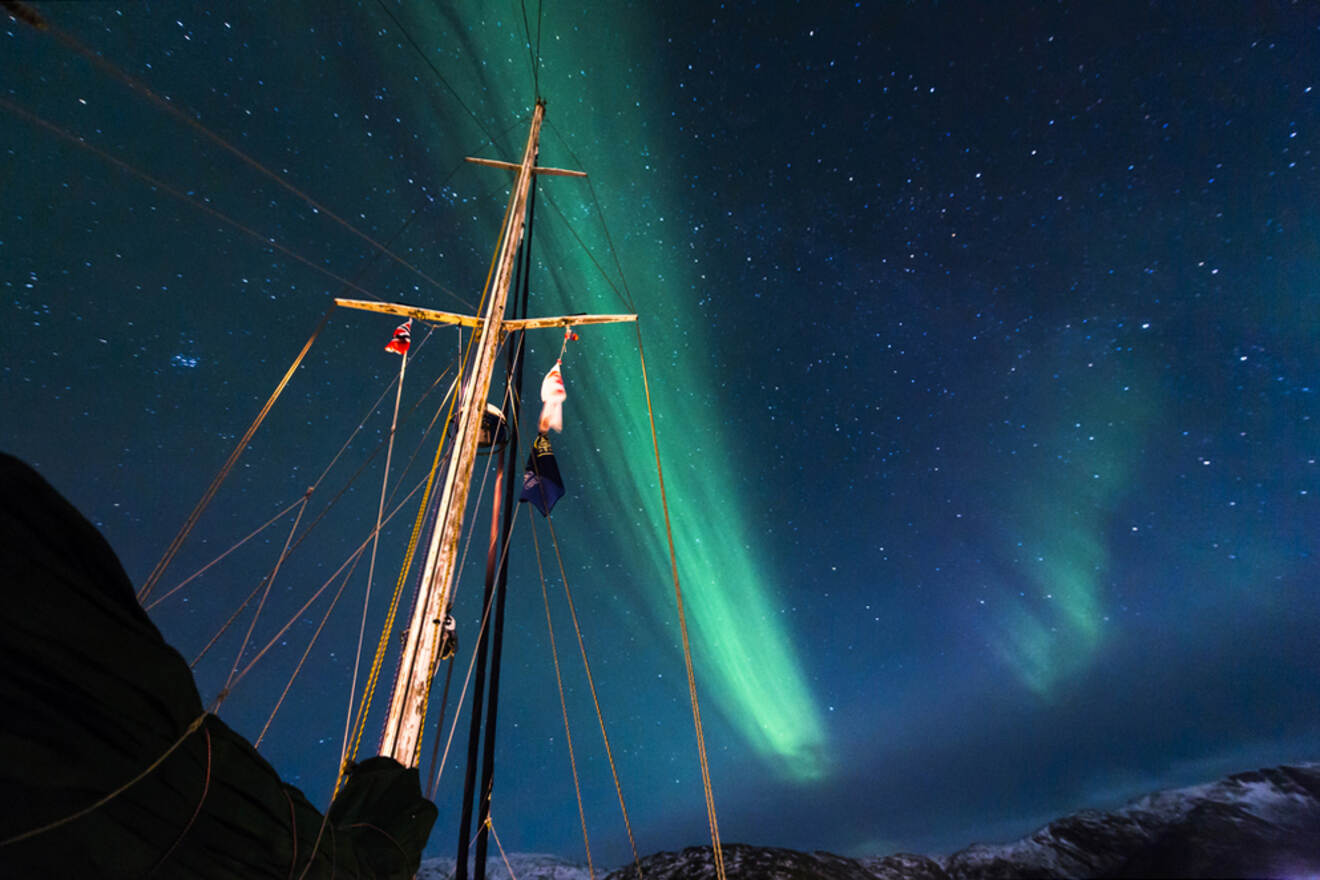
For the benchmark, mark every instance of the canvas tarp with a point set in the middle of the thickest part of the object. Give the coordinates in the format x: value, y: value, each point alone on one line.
x: 91, y: 695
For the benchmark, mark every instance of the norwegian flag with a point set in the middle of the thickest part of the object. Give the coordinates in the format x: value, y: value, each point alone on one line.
x: 402, y: 338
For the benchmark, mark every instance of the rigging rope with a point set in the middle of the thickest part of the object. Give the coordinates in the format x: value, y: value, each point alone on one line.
x: 540, y: 9
x: 375, y: 538
x: 188, y: 524
x: 356, y: 735
x: 425, y: 58
x: 366, y: 599
x: 439, y: 729
x: 173, y: 108
x: 350, y: 751
x: 311, y: 644
x: 270, y: 582
x: 328, y: 507
x: 316, y: 595
x: 384, y: 485
x: 380, y: 510
x: 51, y: 826
x: 412, y: 544
x: 623, y: 292
x: 224, y: 627
x: 201, y: 571
x: 490, y: 823
x: 197, y: 811
x: 563, y: 706
x: 467, y: 679
x: 315, y: 485
x: 533, y: 59
x: 682, y: 625
x: 587, y: 251
x: 622, y: 288
x: 266, y: 240
x: 591, y: 683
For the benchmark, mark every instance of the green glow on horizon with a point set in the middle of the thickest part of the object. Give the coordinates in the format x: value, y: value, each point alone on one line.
x: 746, y: 658
x: 1053, y: 634
x: 1052, y: 630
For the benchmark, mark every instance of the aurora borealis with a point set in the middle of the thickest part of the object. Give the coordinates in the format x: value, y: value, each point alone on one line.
x: 982, y: 342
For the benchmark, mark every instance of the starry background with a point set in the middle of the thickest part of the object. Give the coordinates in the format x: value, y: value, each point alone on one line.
x: 982, y: 340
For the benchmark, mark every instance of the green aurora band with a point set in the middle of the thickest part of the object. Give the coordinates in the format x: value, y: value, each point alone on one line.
x: 1052, y: 630
x: 745, y: 657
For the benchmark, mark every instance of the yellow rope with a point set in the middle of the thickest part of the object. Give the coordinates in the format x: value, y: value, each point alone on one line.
x: 381, y: 646
x: 375, y: 540
x: 334, y: 601
x: 472, y: 341
x: 591, y: 683
x: 682, y: 624
x: 369, y: 693
x: 192, y: 728
x: 563, y: 707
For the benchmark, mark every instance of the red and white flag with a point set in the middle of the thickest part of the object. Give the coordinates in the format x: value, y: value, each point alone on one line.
x: 552, y: 401
x: 402, y: 338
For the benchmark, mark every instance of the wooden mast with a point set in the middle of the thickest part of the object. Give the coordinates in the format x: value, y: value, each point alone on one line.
x: 401, y: 737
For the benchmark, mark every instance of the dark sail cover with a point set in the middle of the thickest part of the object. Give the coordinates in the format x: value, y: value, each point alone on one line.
x: 92, y: 696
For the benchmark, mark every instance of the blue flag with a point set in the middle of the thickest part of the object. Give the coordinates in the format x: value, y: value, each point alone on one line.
x: 542, y: 484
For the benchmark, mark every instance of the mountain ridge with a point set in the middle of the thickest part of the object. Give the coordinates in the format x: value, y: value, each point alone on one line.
x: 1259, y: 823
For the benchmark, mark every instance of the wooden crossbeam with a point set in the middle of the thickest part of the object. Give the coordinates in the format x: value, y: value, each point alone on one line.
x: 410, y: 312
x: 508, y: 326
x: 564, y: 321
x: 495, y: 163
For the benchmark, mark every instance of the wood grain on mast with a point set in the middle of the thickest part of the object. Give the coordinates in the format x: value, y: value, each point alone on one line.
x: 401, y: 738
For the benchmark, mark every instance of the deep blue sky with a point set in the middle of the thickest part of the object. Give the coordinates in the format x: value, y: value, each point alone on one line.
x: 983, y: 341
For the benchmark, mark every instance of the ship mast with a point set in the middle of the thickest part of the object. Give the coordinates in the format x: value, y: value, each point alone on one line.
x: 401, y: 738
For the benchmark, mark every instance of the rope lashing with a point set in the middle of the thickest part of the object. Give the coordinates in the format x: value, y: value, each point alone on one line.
x: 51, y: 826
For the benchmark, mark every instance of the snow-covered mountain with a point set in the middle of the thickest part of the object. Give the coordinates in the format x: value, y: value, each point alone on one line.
x: 525, y: 866
x: 1265, y: 823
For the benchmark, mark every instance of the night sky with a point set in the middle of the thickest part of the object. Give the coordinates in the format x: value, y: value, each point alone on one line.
x: 983, y: 342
